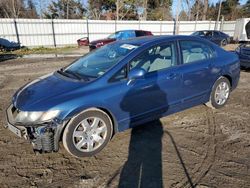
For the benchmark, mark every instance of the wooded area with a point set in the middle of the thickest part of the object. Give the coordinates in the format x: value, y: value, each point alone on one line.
x: 122, y: 9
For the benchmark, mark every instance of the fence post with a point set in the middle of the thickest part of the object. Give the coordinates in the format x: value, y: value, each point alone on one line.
x: 16, y: 30
x: 53, y: 33
x: 115, y: 25
x: 209, y: 27
x: 87, y: 24
x: 221, y: 23
x: 195, y: 25
x: 174, y: 29
x: 161, y: 28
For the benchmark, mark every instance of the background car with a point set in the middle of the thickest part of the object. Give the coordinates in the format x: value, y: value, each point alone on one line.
x: 119, y: 86
x: 119, y: 35
x: 244, y: 54
x: 83, y: 41
x: 217, y: 37
x: 6, y: 45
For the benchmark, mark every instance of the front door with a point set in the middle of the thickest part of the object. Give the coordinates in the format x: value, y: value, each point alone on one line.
x: 154, y: 95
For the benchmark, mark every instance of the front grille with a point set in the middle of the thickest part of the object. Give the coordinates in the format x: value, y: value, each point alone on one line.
x: 42, y: 139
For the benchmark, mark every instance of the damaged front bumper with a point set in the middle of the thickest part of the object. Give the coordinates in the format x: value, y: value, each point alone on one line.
x: 44, y: 136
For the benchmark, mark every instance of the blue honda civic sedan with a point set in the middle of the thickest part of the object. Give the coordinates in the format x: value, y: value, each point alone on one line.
x: 120, y: 86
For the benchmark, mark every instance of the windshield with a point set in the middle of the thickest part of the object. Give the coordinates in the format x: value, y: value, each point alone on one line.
x: 198, y: 33
x: 99, y: 61
x: 195, y: 33
x: 113, y: 36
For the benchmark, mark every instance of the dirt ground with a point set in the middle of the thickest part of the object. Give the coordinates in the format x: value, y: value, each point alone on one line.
x: 198, y: 147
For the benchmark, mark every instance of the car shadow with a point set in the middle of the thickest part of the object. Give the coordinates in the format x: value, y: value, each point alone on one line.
x: 5, y: 57
x: 245, y: 69
x: 143, y: 167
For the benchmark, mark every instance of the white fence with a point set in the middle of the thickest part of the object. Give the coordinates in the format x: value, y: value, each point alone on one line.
x: 44, y: 32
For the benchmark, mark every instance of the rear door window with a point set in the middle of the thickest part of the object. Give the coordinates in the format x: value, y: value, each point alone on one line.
x: 194, y: 51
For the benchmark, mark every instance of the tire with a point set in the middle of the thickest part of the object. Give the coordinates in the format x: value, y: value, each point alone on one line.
x: 224, y: 42
x: 216, y: 101
x: 87, y: 133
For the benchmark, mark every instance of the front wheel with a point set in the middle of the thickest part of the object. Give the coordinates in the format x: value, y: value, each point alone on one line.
x: 88, y: 133
x: 220, y: 93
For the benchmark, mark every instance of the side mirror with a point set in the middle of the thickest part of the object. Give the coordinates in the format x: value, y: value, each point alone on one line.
x: 137, y: 73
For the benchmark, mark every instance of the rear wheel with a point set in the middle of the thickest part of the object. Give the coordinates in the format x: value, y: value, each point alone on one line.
x: 220, y: 93
x: 88, y: 133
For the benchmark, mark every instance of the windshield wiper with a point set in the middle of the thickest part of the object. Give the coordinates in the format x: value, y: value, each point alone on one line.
x: 68, y: 73
x: 77, y: 76
x: 63, y: 73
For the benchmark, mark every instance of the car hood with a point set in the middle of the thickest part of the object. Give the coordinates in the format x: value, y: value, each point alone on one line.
x: 105, y: 41
x: 245, y: 47
x: 33, y: 96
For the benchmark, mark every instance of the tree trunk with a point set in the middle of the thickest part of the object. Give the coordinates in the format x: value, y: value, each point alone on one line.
x: 197, y: 11
x: 189, y: 10
x: 67, y: 9
x: 145, y: 6
x: 117, y: 9
x: 205, y: 10
x: 14, y: 9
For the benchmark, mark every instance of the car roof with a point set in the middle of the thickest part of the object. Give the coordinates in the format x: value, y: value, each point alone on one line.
x: 131, y: 30
x: 210, y: 30
x: 139, y: 41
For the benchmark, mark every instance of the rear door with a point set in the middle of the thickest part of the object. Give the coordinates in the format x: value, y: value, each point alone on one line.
x: 217, y: 37
x: 196, y: 69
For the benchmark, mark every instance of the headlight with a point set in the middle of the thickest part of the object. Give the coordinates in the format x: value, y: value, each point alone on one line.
x: 29, y: 117
x: 99, y: 44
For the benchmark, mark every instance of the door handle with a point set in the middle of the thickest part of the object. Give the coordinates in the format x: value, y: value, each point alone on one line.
x: 171, y: 76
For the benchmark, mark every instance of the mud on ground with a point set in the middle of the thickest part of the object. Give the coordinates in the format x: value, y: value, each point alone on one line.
x: 197, y: 147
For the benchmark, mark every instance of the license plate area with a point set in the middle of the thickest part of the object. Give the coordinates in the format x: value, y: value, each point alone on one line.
x: 15, y: 130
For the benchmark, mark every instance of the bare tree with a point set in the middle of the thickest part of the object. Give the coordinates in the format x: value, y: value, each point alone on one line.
x: 189, y: 9
x: 124, y: 7
x: 12, y: 8
x: 145, y: 12
x: 177, y: 17
x: 205, y: 10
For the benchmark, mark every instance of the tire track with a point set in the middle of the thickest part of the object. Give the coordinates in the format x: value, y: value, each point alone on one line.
x: 207, y: 162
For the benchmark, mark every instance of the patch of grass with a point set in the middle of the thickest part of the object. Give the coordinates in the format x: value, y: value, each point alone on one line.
x: 40, y: 50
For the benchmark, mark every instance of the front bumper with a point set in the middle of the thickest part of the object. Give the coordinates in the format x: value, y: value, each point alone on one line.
x: 44, y: 136
x: 92, y: 47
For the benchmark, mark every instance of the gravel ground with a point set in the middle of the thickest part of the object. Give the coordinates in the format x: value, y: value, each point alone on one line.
x: 198, y: 147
